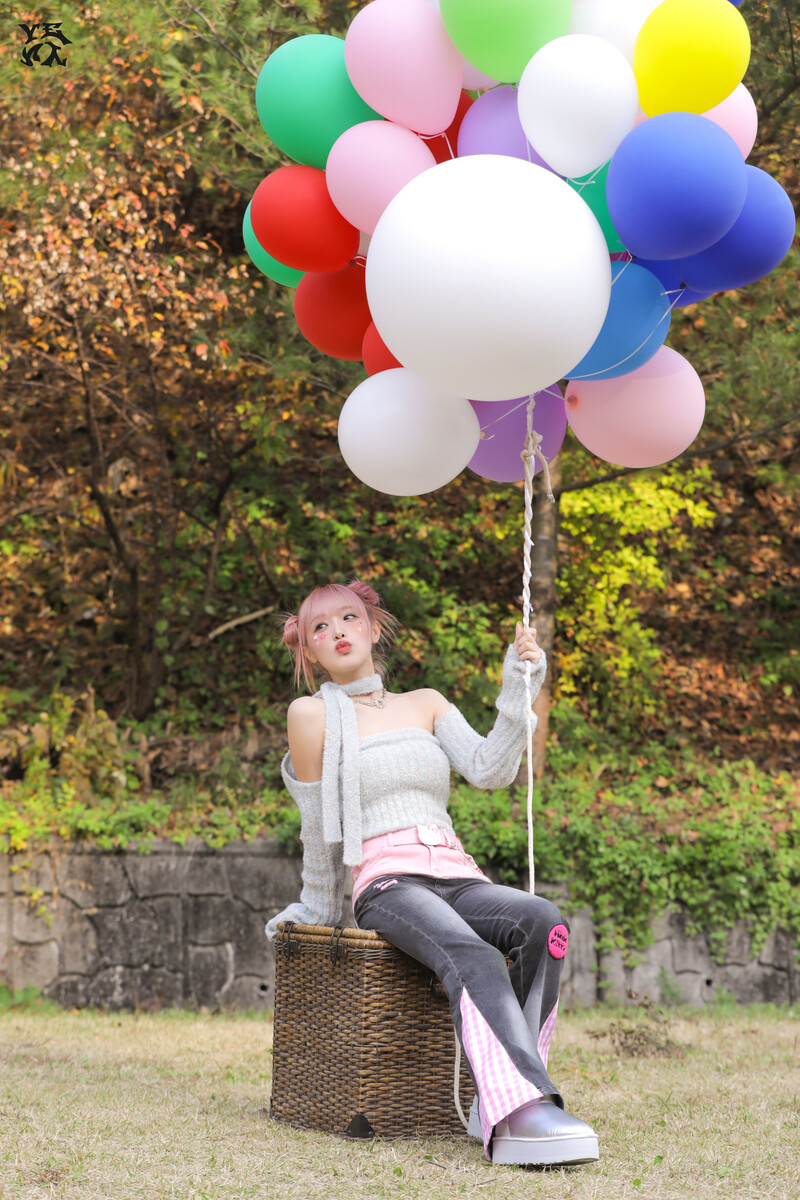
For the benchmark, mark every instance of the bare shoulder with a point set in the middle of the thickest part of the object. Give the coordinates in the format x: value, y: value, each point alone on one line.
x: 305, y: 726
x: 434, y: 703
x: 306, y: 708
x: 305, y: 720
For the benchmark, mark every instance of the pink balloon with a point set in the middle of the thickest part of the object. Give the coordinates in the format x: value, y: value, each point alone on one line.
x: 641, y: 419
x: 738, y: 116
x: 401, y: 61
x: 369, y: 164
x: 474, y: 80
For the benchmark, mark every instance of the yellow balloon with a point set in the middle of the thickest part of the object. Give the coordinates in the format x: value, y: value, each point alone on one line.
x: 690, y: 55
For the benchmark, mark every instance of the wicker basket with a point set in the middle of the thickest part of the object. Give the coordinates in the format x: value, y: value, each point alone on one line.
x: 363, y: 1043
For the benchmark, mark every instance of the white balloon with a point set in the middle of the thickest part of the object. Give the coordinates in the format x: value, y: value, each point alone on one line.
x: 402, y: 436
x: 488, y: 277
x: 616, y: 21
x: 577, y: 100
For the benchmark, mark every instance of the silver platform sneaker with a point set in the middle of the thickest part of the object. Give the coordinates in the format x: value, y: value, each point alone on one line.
x: 541, y: 1134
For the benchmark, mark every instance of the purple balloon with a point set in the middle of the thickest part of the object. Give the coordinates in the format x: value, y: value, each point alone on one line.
x: 503, y: 427
x: 492, y: 126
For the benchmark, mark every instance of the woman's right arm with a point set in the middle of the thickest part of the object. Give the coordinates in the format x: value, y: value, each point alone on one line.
x: 305, y: 725
x: 323, y: 870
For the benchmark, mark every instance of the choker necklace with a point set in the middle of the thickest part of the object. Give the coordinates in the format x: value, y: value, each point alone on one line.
x: 379, y: 703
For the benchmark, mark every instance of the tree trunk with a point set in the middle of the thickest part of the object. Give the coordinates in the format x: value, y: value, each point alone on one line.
x: 544, y: 562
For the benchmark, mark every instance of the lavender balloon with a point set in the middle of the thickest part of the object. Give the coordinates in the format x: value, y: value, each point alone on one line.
x: 492, y: 126
x: 503, y: 427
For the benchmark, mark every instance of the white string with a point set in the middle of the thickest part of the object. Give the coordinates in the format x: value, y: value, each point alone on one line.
x: 429, y: 137
x: 456, y: 1081
x: 663, y: 317
x: 589, y: 179
x: 531, y: 452
x: 553, y: 390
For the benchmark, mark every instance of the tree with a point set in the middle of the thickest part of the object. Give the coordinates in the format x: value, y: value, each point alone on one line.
x: 185, y: 482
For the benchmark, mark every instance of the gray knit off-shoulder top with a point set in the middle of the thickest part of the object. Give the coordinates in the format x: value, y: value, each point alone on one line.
x: 404, y: 777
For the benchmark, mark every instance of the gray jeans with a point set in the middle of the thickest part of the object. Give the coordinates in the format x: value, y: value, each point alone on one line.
x: 464, y: 930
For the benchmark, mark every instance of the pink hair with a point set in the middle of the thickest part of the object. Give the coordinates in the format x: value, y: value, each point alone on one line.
x: 365, y: 601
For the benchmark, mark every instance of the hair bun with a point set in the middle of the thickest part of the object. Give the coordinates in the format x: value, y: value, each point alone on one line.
x: 365, y: 593
x: 291, y: 636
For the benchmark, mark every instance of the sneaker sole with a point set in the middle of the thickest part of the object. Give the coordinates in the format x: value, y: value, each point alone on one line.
x: 544, y: 1152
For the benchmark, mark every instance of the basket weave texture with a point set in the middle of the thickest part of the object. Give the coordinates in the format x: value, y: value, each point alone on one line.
x: 363, y: 1043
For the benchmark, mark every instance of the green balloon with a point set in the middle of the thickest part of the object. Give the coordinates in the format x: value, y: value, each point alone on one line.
x: 266, y: 264
x: 499, y: 37
x: 592, y: 189
x: 305, y: 99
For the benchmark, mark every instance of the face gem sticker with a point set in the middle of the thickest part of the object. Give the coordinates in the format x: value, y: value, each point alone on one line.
x: 320, y: 637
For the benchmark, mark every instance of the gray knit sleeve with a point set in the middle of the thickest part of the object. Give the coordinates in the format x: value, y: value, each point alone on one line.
x: 493, y: 761
x: 323, y: 869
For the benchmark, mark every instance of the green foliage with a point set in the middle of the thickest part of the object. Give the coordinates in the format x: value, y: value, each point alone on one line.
x: 27, y: 999
x: 635, y: 833
x: 746, y: 345
x: 616, y: 534
x: 76, y: 780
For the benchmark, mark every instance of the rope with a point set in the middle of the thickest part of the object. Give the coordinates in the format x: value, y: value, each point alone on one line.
x: 531, y: 452
x: 456, y: 1077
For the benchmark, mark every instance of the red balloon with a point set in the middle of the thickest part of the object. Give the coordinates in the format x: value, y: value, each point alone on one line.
x: 332, y: 311
x: 376, y: 354
x: 296, y: 221
x: 443, y: 145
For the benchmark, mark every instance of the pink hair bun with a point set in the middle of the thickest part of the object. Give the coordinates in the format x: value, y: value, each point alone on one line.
x: 291, y: 637
x: 365, y: 593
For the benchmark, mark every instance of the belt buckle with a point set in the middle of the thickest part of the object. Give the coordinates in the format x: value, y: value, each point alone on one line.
x: 429, y: 835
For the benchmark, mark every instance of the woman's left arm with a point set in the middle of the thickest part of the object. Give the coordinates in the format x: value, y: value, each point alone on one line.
x: 493, y: 761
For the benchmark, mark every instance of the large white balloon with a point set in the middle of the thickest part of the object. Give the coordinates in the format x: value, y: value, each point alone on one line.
x: 488, y: 277
x: 399, y: 435
x: 577, y: 100
x: 616, y: 21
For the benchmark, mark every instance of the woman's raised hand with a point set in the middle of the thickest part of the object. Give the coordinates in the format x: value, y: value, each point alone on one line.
x: 526, y: 645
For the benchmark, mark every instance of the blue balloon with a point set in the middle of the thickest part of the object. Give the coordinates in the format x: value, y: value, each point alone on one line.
x: 676, y: 185
x: 690, y: 296
x: 678, y: 294
x: 636, y: 324
x: 663, y: 269
x: 759, y: 240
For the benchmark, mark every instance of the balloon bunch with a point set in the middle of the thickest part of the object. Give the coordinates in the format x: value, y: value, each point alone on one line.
x: 491, y: 196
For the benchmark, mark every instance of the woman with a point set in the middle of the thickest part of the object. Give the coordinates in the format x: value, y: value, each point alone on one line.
x: 370, y: 772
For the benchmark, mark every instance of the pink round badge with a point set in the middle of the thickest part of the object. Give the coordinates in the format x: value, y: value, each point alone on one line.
x: 557, y: 941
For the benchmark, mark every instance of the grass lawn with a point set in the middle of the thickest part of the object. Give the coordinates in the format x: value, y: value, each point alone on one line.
x: 99, y: 1105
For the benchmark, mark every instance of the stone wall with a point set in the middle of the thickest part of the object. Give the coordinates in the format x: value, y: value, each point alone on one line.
x: 178, y: 926
x: 183, y: 926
